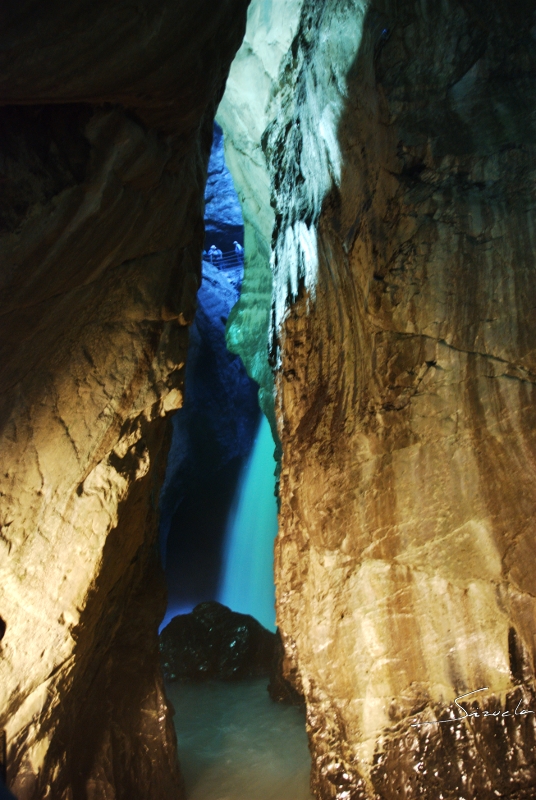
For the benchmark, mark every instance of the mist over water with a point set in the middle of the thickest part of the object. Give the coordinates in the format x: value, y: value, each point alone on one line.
x: 247, y: 583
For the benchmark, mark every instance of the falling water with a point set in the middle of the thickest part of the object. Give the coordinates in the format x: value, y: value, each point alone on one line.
x: 247, y: 583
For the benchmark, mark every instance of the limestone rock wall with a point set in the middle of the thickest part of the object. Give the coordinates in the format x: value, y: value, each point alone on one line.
x: 401, y: 151
x: 105, y: 131
x: 244, y: 113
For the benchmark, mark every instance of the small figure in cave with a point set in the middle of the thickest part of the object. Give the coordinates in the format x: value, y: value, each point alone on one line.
x: 215, y: 255
x: 239, y: 250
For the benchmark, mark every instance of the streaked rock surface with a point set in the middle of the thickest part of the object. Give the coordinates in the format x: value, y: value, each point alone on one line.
x: 105, y: 132
x: 400, y: 149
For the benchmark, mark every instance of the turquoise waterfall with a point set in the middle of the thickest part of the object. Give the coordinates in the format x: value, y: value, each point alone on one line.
x: 247, y: 583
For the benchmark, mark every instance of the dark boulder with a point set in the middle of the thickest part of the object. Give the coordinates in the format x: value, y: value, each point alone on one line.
x: 214, y: 642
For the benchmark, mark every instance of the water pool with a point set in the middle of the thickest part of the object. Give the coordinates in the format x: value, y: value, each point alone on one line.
x: 235, y: 743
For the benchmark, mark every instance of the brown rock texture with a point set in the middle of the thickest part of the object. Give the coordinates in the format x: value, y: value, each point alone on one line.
x: 407, y: 406
x: 105, y: 129
x: 401, y: 153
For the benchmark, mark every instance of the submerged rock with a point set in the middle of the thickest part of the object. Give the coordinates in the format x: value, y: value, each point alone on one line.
x: 215, y: 642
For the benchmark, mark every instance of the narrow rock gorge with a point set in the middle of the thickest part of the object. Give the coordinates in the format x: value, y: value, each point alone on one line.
x: 384, y: 154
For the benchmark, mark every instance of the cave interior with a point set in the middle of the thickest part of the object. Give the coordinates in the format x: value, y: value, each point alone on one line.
x: 338, y: 367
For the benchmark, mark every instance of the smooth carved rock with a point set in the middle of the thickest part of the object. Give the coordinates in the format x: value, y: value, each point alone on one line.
x: 106, y: 122
x: 223, y: 215
x: 214, y: 642
x: 400, y: 148
x: 243, y: 114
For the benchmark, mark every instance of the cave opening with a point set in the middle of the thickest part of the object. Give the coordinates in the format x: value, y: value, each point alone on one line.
x: 385, y: 157
x: 218, y: 509
x: 218, y: 524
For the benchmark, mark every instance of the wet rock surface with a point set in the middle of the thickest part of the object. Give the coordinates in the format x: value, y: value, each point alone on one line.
x: 283, y: 686
x: 216, y: 643
x: 399, y: 145
x: 106, y: 119
x: 244, y: 113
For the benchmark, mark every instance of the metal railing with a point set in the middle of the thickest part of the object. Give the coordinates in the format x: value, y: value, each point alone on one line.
x: 228, y: 260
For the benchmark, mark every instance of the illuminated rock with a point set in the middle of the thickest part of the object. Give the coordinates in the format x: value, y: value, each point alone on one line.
x: 244, y: 113
x: 400, y: 148
x: 223, y: 215
x: 103, y: 171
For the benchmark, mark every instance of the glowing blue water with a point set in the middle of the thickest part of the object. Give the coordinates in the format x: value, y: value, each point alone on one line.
x: 247, y: 583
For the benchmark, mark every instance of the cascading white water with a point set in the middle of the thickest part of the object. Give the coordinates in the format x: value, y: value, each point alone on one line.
x: 247, y: 583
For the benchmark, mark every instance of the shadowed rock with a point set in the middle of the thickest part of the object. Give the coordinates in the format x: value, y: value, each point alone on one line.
x: 215, y: 642
x: 106, y: 118
x: 280, y: 689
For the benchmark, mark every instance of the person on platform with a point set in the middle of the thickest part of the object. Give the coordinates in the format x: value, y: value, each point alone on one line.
x: 239, y: 250
x: 215, y: 255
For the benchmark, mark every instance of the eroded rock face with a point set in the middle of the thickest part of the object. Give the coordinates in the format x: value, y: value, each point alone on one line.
x: 401, y: 152
x: 105, y: 131
x: 244, y: 113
